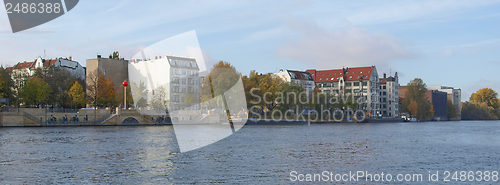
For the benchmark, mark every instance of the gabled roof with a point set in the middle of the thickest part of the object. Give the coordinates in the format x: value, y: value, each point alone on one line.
x: 349, y: 74
x: 24, y: 65
x: 29, y: 65
x: 49, y: 62
x: 9, y: 69
x: 300, y: 75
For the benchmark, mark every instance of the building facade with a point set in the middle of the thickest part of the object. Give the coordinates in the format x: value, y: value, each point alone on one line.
x: 114, y: 69
x: 439, y: 104
x: 454, y: 95
x: 389, y: 96
x: 359, y: 82
x: 176, y: 77
x: 304, y: 79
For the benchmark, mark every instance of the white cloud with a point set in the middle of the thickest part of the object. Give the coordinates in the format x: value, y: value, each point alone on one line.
x: 348, y: 47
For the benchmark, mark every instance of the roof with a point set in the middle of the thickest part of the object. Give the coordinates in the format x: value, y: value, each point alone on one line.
x: 9, y: 69
x: 300, y: 75
x: 384, y: 80
x: 23, y: 65
x: 49, y: 62
x: 334, y: 75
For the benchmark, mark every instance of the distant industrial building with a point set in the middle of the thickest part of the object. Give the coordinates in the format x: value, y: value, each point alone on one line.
x: 439, y: 102
x: 454, y: 95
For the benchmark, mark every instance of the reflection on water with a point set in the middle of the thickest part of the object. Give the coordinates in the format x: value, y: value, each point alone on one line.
x: 255, y: 154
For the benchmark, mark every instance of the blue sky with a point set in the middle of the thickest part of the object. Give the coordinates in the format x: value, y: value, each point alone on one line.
x: 449, y: 42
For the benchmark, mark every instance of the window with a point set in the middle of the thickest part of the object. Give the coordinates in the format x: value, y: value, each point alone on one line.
x: 365, y: 84
x: 348, y: 84
x: 356, y: 83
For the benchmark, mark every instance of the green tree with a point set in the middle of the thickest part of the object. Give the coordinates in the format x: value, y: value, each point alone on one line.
x: 59, y: 80
x: 35, y: 92
x: 417, y: 103
x: 474, y: 111
x: 451, y: 110
x: 115, y: 55
x: 77, y: 94
x: 5, y: 84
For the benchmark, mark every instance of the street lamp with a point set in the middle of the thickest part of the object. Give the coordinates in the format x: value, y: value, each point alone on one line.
x: 125, y: 84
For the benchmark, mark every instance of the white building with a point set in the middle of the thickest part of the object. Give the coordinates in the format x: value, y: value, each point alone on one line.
x: 454, y: 95
x: 304, y: 79
x: 173, y: 80
x: 29, y: 68
x: 23, y: 70
x: 389, y: 96
x: 361, y: 82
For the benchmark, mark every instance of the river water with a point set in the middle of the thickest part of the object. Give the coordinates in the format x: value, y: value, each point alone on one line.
x: 257, y: 154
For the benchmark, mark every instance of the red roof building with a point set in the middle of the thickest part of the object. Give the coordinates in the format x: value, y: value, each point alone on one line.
x: 360, y: 82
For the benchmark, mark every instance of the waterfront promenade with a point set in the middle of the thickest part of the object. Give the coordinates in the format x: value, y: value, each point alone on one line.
x: 36, y: 117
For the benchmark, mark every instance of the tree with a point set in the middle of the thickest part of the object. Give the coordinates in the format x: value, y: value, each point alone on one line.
x: 159, y: 101
x: 106, y: 94
x: 59, y: 80
x: 140, y: 93
x: 92, y: 88
x: 100, y: 91
x: 451, y: 110
x: 35, y: 92
x: 221, y: 78
x: 77, y: 94
x: 474, y: 111
x: 5, y: 84
x: 485, y: 95
x: 114, y: 55
x: 263, y: 90
x: 482, y: 104
x: 417, y: 103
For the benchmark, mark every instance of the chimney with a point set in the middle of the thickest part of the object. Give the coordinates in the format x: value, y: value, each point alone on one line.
x: 385, y: 75
x: 98, y: 56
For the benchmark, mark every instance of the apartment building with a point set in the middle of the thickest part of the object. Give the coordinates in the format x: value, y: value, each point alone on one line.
x: 389, y: 96
x: 304, y: 79
x: 360, y: 82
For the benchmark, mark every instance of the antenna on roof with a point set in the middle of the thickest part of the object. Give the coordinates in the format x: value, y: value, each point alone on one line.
x: 44, y: 54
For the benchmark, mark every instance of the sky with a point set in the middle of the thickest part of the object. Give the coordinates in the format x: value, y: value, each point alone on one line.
x: 449, y: 42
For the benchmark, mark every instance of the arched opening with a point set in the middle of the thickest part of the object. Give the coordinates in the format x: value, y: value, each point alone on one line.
x: 130, y: 120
